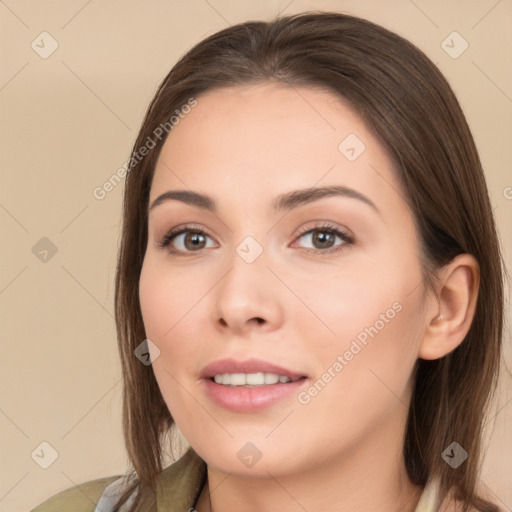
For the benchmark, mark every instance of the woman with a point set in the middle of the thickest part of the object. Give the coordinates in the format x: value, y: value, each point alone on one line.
x: 309, y: 281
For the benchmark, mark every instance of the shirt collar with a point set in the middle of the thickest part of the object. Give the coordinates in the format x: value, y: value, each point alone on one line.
x: 179, y: 485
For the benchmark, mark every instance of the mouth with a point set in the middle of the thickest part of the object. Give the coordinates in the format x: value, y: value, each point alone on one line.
x: 251, y: 380
x: 252, y: 372
x: 249, y: 386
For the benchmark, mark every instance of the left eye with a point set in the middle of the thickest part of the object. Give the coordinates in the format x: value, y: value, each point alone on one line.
x: 324, y: 239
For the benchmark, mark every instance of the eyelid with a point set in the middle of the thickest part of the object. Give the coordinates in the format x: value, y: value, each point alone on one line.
x: 164, y: 240
x: 345, y: 235
x: 327, y: 226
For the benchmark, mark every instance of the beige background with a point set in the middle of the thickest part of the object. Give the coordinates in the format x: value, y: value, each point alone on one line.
x: 68, y: 123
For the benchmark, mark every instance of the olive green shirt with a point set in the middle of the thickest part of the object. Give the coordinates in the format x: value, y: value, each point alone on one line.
x: 178, y: 488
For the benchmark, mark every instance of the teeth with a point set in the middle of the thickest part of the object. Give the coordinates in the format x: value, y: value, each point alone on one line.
x: 251, y: 379
x: 237, y: 379
x: 271, y: 378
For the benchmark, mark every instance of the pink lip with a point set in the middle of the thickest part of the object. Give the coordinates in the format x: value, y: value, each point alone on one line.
x: 249, y: 399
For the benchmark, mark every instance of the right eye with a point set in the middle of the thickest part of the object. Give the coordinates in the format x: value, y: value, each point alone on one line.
x: 185, y: 240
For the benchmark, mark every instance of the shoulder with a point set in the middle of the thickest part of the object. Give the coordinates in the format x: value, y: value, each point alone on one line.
x: 79, y: 498
x: 452, y: 505
x: 179, y: 485
x: 429, y: 500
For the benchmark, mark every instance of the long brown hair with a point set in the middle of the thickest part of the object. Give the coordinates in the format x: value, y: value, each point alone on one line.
x: 413, y: 112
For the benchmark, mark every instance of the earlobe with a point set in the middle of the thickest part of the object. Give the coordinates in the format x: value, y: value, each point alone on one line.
x: 457, y: 292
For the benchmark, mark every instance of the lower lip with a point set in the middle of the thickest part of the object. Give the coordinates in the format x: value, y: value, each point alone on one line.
x: 242, y: 399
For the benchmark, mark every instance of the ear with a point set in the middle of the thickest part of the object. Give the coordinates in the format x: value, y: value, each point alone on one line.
x: 450, y: 314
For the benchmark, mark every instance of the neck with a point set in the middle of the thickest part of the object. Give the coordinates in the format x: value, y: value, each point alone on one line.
x: 370, y: 476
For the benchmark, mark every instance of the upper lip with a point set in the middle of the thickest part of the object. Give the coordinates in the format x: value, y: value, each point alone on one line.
x: 247, y: 366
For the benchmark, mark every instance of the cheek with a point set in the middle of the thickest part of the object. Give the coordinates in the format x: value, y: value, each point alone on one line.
x: 354, y: 301
x: 167, y: 298
x: 363, y: 374
x: 368, y: 326
x: 164, y: 302
x: 174, y: 306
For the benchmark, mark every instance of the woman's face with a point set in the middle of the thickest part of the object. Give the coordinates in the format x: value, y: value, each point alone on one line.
x: 303, y: 264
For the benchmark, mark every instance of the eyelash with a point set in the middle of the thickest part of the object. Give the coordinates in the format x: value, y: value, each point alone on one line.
x: 326, y: 228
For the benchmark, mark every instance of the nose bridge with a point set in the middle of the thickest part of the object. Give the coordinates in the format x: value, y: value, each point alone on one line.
x: 246, y: 278
x: 246, y: 292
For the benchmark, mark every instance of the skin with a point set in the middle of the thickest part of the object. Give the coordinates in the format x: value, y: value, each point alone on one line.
x: 245, y: 146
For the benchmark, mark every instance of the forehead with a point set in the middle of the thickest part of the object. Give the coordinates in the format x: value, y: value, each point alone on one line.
x: 268, y: 138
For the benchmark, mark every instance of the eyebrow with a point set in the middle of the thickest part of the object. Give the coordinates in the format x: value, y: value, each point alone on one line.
x: 287, y: 201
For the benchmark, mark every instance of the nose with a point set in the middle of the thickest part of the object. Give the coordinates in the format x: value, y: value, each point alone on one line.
x: 247, y: 298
